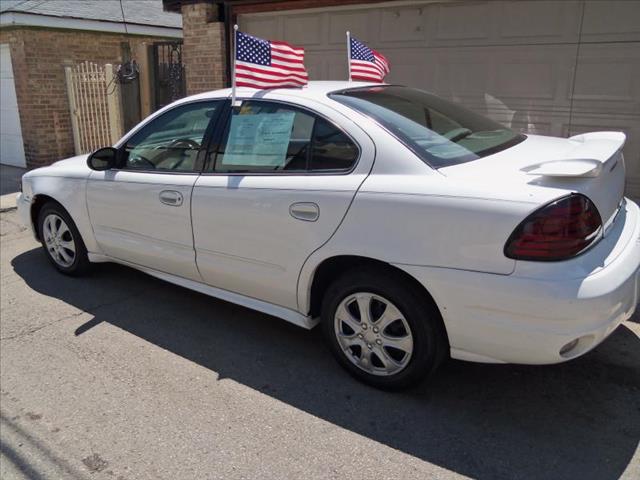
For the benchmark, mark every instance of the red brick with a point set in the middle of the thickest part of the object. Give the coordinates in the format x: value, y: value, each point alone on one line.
x: 203, y: 48
x: 38, y: 57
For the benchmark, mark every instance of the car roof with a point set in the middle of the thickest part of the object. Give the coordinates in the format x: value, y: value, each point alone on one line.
x: 316, y: 89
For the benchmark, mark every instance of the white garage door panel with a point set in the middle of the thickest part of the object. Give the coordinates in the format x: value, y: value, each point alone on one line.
x: 300, y: 29
x: 513, y: 61
x: 8, y: 124
x: 611, y: 21
x: 340, y: 22
x: 539, y: 22
x: 262, y: 26
x: 608, y: 78
x: 500, y: 23
x: 7, y: 95
x: 406, y: 25
x: 11, y: 147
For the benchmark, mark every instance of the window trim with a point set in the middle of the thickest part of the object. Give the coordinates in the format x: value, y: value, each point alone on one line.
x: 200, y: 161
x: 209, y: 166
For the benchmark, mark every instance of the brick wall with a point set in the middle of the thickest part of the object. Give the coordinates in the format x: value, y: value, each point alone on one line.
x: 39, y: 57
x: 204, y: 49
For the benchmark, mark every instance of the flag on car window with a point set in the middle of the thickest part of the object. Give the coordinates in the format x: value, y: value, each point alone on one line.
x: 263, y: 63
x: 365, y: 63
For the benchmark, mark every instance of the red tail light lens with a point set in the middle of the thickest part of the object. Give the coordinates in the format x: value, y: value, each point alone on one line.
x: 558, y: 231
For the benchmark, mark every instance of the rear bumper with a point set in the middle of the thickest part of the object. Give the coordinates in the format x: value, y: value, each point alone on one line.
x: 529, y: 316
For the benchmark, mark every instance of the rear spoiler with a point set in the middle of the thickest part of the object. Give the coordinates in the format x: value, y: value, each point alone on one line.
x: 591, y: 152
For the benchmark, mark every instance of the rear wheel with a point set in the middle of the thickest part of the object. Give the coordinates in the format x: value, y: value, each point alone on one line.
x: 382, y: 329
x: 61, y: 240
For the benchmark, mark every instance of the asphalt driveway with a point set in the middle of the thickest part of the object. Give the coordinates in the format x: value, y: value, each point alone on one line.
x: 10, y: 179
x: 122, y: 376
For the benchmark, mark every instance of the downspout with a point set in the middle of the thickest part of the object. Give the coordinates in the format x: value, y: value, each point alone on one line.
x: 225, y: 15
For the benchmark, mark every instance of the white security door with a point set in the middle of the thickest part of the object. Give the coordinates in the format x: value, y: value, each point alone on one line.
x: 548, y: 67
x: 11, y: 146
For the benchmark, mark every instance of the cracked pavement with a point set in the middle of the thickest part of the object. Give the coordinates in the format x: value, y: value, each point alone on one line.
x: 121, y: 376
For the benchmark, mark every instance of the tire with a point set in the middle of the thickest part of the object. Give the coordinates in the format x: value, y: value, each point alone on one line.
x: 384, y: 353
x: 61, y: 240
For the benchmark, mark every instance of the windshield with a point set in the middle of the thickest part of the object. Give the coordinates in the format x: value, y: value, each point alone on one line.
x: 438, y: 131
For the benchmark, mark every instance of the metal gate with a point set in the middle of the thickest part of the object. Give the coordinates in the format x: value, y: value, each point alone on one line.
x: 170, y: 82
x: 94, y: 100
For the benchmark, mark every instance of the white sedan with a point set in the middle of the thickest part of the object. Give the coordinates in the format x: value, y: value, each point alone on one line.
x: 412, y: 229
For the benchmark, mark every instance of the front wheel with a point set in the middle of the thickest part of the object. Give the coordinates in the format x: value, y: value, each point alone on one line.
x: 382, y: 329
x: 61, y: 240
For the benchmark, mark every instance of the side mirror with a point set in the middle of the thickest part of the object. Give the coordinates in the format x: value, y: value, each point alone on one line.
x: 102, y: 159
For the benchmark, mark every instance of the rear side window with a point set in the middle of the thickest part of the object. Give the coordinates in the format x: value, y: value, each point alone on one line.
x: 270, y: 137
x: 332, y: 149
x: 440, y: 132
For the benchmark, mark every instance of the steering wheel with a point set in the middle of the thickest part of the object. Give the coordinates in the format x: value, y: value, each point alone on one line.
x: 139, y: 159
x: 457, y: 134
x: 184, y: 142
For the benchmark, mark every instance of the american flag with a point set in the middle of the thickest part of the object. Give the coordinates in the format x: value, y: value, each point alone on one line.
x: 266, y: 64
x: 365, y: 63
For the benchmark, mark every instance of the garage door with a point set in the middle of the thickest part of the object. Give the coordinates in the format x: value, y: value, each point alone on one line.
x: 11, y: 147
x: 547, y: 67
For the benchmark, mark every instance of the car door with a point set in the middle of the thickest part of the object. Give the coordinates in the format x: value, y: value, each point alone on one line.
x: 275, y: 189
x: 140, y: 212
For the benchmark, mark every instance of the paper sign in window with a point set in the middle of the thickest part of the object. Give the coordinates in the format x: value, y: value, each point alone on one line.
x: 259, y: 140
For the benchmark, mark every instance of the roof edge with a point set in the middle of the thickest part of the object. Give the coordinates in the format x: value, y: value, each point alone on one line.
x: 18, y: 19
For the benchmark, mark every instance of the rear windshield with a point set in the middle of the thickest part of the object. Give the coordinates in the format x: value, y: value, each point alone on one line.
x: 440, y: 132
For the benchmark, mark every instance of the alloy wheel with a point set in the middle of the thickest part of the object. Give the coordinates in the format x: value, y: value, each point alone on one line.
x: 373, y: 333
x: 59, y: 240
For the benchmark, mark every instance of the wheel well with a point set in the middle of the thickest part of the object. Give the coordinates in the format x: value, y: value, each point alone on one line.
x: 39, y: 201
x: 332, y: 267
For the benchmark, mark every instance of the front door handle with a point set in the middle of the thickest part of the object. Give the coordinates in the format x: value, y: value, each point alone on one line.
x: 171, y: 197
x: 306, y: 211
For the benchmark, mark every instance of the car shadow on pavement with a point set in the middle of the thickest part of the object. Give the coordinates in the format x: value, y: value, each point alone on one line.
x: 576, y: 420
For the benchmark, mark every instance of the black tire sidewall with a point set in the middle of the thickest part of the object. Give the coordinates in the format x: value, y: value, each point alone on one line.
x: 81, y: 261
x: 421, y: 315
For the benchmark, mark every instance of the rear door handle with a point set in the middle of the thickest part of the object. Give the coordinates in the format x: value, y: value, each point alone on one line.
x: 171, y: 197
x: 306, y: 211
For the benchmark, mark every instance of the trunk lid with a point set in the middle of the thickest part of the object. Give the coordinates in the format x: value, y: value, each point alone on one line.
x: 545, y: 168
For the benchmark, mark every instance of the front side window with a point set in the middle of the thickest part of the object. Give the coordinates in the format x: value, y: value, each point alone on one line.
x: 269, y: 137
x: 438, y: 131
x: 172, y: 141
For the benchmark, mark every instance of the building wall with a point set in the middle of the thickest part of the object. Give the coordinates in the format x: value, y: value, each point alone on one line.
x: 204, y: 52
x: 39, y: 56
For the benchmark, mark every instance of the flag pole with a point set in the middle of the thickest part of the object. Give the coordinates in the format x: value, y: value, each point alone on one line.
x: 349, y: 53
x: 233, y: 66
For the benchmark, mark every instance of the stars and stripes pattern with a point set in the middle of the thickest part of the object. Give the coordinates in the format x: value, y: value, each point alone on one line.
x: 365, y: 63
x: 268, y: 64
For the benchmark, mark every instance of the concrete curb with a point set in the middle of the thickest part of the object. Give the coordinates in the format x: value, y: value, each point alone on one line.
x: 8, y: 202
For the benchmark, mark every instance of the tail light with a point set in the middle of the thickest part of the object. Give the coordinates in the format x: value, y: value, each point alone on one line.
x: 557, y: 231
